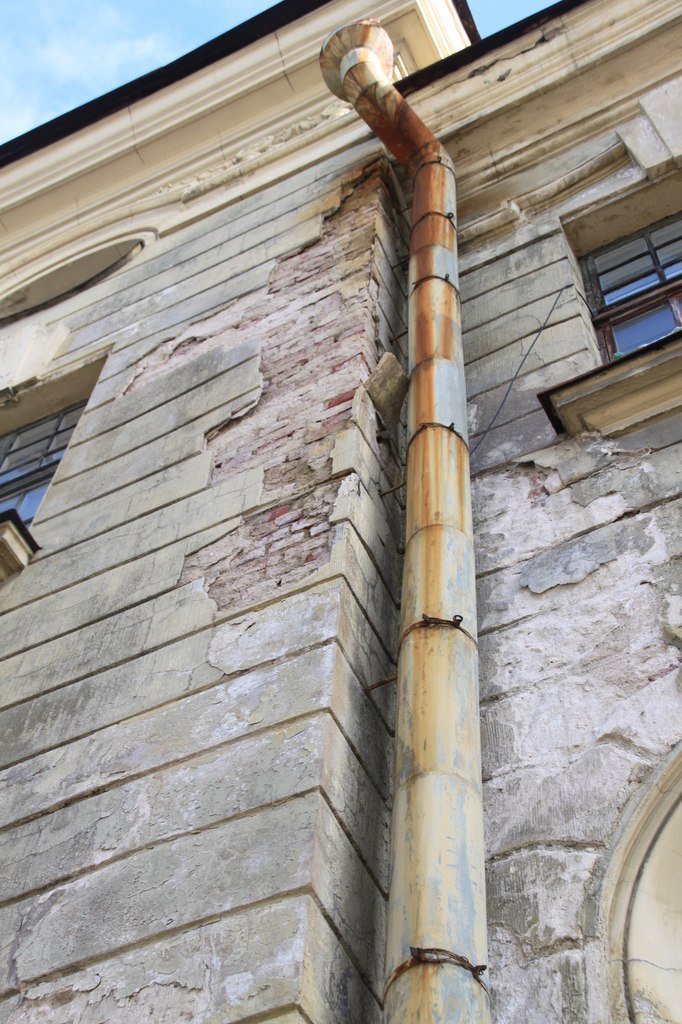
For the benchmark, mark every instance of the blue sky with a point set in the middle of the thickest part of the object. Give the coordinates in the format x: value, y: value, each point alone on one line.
x: 56, y: 54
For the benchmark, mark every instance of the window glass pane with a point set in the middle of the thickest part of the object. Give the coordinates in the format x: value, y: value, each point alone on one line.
x: 52, y: 457
x: 30, y: 502
x: 28, y: 459
x: 668, y: 233
x: 621, y: 254
x: 18, y: 471
x: 25, y: 457
x: 670, y: 253
x: 30, y: 435
x: 644, y: 329
x: 60, y: 440
x: 634, y: 288
x: 631, y: 271
x: 70, y: 418
x: 673, y: 271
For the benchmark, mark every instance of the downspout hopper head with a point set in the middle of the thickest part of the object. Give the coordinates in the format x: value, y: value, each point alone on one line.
x: 364, y: 42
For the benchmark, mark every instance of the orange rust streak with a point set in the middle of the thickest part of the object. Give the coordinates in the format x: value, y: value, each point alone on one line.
x: 433, y: 230
x: 424, y: 399
x: 438, y: 489
x: 434, y: 188
x: 434, y: 321
x: 437, y: 897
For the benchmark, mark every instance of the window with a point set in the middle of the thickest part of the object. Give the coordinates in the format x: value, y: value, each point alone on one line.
x: 67, y: 278
x: 29, y: 458
x: 635, y: 288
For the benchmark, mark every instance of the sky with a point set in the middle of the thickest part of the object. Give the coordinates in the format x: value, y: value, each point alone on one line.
x: 57, y: 54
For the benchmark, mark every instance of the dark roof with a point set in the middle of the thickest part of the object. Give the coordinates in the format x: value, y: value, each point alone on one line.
x: 235, y: 39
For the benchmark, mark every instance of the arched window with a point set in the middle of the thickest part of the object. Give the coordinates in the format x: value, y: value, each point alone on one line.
x: 654, y: 932
x: 642, y: 900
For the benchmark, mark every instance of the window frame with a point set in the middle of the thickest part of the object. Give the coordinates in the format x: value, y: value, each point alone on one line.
x: 16, y: 488
x: 606, y: 316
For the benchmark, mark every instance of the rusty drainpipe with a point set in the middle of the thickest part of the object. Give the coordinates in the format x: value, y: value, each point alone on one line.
x: 436, y: 944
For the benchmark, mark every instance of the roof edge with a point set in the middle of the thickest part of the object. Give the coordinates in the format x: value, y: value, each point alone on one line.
x: 235, y: 39
x: 427, y: 76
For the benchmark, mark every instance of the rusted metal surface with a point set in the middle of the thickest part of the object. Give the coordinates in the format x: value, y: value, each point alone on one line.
x: 437, y: 893
x: 439, y: 956
x: 430, y: 452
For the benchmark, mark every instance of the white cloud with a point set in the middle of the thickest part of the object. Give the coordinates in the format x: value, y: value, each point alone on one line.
x: 55, y: 56
x: 100, y: 50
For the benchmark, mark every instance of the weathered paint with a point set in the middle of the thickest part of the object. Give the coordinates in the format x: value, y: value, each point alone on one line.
x: 437, y: 893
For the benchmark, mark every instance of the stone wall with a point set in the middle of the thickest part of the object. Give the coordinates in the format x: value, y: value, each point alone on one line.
x: 578, y: 591
x: 195, y: 778
x: 195, y: 782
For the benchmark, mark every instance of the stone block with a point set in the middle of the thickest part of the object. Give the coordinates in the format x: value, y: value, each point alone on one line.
x: 312, y: 620
x: 252, y: 963
x: 524, y: 322
x: 115, y: 508
x: 137, y: 341
x: 125, y: 469
x: 550, y: 723
x: 566, y: 340
x: 104, y: 644
x: 93, y: 599
x: 537, y: 283
x: 643, y: 481
x: 110, y: 696
x: 661, y: 106
x: 231, y: 386
x: 194, y: 296
x: 577, y: 802
x: 477, y: 279
x: 264, y: 697
x: 573, y: 561
x: 503, y: 444
x: 550, y: 988
x: 329, y: 611
x: 264, y: 769
x: 192, y: 372
x: 369, y: 519
x: 194, y: 878
x: 607, y: 627
x: 536, y: 896
x: 145, y: 534
x: 518, y: 514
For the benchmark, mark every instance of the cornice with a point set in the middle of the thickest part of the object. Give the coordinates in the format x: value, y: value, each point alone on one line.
x: 103, y: 181
x: 544, y: 59
x: 287, y: 60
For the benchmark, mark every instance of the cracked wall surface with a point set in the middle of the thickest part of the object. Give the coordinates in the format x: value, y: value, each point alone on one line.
x: 195, y: 781
x: 195, y: 771
x: 578, y: 558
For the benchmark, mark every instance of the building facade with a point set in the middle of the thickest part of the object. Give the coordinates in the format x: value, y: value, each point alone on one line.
x: 200, y: 276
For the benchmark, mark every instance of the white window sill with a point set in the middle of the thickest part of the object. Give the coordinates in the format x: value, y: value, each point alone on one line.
x: 17, y: 546
x: 621, y: 395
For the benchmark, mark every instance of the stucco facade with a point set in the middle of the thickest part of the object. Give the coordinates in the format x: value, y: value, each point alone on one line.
x: 196, y: 756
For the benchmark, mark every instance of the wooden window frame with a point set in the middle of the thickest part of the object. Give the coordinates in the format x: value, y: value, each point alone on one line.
x: 605, y: 317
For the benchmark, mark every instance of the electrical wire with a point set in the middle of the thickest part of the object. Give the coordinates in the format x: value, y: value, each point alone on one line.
x: 517, y: 372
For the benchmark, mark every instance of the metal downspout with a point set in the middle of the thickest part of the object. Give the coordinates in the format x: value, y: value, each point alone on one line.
x: 436, y: 943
